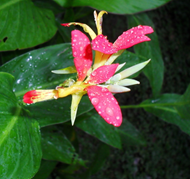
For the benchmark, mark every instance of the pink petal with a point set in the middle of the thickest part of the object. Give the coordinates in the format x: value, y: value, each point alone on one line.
x: 132, y: 37
x: 105, y: 104
x: 101, y: 44
x: 65, y: 24
x: 103, y: 73
x: 82, y: 53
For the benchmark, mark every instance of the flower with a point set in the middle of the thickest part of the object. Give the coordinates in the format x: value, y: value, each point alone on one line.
x: 99, y: 80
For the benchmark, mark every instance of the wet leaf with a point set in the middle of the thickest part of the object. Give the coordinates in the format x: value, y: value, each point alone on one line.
x: 24, y: 25
x: 164, y: 107
x: 19, y: 138
x: 56, y: 146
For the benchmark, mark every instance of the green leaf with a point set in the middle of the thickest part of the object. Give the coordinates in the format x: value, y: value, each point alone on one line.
x: 116, y: 6
x: 130, y: 135
x: 184, y: 108
x: 154, y: 71
x: 24, y: 25
x: 19, y: 138
x: 56, y: 146
x: 165, y: 108
x: 46, y: 168
x: 33, y: 71
x: 92, y: 123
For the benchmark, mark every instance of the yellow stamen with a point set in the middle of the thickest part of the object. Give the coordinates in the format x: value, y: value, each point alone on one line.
x: 99, y: 21
x: 77, y: 88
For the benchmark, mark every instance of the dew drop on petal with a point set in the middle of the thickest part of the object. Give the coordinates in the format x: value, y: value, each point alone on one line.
x: 95, y: 101
x: 104, y: 89
x: 109, y: 111
x: 93, y: 73
x: 117, y: 117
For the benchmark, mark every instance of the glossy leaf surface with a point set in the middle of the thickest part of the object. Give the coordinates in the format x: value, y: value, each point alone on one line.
x: 165, y: 108
x: 150, y: 50
x: 19, y: 138
x: 24, y: 25
x: 116, y: 6
x: 56, y: 147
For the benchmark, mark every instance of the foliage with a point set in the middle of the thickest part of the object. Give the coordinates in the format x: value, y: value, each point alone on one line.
x: 38, y: 138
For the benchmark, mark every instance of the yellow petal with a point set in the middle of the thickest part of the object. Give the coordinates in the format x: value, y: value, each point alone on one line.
x: 74, y: 106
x: 67, y: 70
x: 113, y: 57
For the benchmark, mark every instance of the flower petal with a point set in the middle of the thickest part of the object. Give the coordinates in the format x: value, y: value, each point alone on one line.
x: 117, y: 89
x: 67, y: 70
x: 102, y: 74
x: 74, y: 106
x: 82, y: 53
x: 105, y: 104
x: 129, y: 71
x: 101, y: 44
x: 39, y: 95
x: 132, y: 37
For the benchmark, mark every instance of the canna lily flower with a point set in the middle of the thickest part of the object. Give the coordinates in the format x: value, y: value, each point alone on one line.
x: 98, y: 80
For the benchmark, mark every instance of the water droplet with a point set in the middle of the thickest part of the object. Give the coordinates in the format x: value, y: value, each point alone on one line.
x: 95, y: 101
x: 93, y: 73
x: 21, y: 66
x: 109, y: 111
x: 140, y: 27
x: 117, y: 117
x: 104, y: 90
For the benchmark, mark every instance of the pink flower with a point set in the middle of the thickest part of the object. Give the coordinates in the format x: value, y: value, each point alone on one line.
x: 97, y: 81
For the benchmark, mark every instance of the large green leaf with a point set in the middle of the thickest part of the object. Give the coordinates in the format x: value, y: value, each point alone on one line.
x: 19, y: 138
x: 165, y: 108
x: 56, y: 146
x: 115, y: 6
x: 149, y: 50
x: 24, y: 25
x: 93, y: 124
